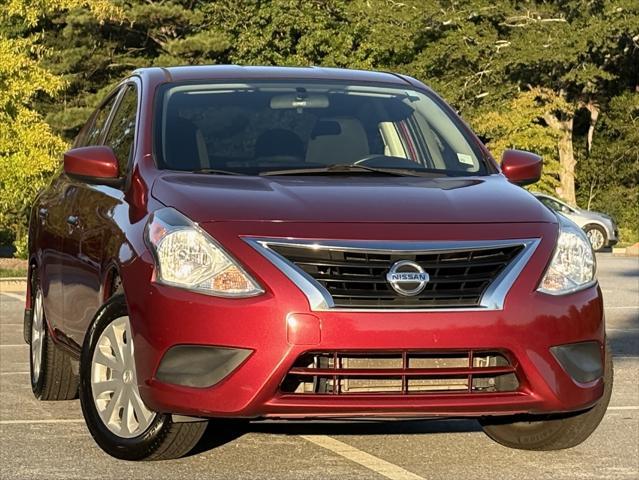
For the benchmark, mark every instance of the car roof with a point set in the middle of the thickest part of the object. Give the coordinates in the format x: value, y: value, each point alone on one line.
x: 216, y: 72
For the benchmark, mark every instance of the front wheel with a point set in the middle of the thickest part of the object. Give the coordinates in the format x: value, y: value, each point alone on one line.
x: 551, y: 432
x: 119, y: 421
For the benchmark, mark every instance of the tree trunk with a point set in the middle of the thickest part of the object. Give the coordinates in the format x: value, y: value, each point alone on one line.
x: 567, y: 163
x: 567, y: 160
x: 594, y: 115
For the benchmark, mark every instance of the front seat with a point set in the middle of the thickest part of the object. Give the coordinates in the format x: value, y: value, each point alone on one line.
x: 346, y: 144
x: 185, y: 148
x: 278, y: 144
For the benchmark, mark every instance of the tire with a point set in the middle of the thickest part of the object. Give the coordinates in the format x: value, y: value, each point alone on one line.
x: 597, y: 237
x: 145, y: 435
x: 551, y: 432
x: 51, y: 370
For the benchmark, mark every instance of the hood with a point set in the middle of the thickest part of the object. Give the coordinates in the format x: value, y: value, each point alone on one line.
x: 594, y: 215
x: 361, y: 198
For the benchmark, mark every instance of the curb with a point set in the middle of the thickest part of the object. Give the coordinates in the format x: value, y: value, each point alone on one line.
x: 13, y: 284
x: 624, y: 252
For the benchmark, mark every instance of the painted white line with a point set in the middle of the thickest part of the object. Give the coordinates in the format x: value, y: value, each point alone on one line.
x: 11, y: 325
x: 15, y: 345
x: 629, y: 307
x: 622, y: 329
x: 15, y: 296
x: 29, y: 422
x: 377, y: 465
x: 626, y: 407
x: 15, y: 373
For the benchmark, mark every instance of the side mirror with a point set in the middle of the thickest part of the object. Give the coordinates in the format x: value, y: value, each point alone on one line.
x: 521, y: 168
x: 93, y: 165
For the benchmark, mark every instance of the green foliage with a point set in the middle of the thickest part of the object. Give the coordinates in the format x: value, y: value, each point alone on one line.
x: 520, y: 124
x: 29, y: 150
x: 609, y: 176
x: 519, y: 72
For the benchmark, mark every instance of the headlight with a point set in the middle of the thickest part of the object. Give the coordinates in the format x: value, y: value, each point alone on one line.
x: 187, y: 257
x: 573, y: 264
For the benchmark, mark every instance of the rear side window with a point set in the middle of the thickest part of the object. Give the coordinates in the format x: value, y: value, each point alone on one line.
x: 121, y: 134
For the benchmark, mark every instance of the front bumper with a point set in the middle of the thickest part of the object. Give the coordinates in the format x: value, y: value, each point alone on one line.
x: 527, y: 327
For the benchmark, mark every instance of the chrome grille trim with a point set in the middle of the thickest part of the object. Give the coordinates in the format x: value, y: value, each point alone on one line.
x: 321, y: 300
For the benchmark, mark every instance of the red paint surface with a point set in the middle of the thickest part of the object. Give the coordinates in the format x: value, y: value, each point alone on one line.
x: 95, y: 161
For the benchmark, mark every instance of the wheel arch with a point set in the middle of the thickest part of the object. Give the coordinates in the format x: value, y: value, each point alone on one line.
x: 111, y: 282
x: 595, y: 223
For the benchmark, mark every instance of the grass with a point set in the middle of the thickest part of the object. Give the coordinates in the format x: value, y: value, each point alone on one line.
x: 627, y: 237
x: 12, y: 272
x: 13, y: 267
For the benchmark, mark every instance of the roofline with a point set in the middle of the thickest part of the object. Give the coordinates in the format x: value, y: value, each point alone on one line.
x: 203, y: 72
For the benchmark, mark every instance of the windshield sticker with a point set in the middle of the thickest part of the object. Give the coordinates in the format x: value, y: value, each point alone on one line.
x: 465, y: 159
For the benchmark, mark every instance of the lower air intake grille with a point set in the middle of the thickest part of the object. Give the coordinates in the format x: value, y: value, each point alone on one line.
x: 409, y: 372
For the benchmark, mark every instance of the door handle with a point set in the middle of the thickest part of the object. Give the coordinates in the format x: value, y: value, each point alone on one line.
x: 73, y: 220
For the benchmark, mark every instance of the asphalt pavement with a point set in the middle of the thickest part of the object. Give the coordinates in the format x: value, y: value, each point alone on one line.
x: 49, y: 439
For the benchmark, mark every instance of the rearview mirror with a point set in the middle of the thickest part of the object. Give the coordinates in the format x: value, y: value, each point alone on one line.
x: 92, y: 165
x: 521, y: 168
x: 299, y: 101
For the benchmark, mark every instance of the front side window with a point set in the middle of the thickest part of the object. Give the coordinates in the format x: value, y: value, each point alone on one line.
x: 94, y: 132
x: 266, y: 128
x: 121, y: 134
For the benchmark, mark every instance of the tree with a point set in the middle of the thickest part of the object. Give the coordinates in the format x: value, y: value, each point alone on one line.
x: 609, y: 175
x: 93, y: 55
x: 558, y: 77
x: 28, y: 148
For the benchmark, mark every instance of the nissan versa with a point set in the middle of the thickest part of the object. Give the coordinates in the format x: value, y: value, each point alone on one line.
x: 298, y: 243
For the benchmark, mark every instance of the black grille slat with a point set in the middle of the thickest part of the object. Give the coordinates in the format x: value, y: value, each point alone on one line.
x: 401, y: 373
x: 458, y: 278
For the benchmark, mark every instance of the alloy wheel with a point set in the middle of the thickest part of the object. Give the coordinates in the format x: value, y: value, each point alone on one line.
x: 37, y: 337
x: 114, y: 382
x: 596, y: 238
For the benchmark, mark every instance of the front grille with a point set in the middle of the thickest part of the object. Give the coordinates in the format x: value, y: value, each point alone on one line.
x: 401, y: 373
x: 357, y: 278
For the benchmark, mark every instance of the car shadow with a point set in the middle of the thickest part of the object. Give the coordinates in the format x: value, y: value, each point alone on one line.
x: 221, y: 432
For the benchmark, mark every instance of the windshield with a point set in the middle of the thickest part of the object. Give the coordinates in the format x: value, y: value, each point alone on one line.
x: 296, y: 128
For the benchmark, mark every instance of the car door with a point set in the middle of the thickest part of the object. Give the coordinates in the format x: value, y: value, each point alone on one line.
x: 77, y: 279
x: 95, y: 206
x: 51, y: 231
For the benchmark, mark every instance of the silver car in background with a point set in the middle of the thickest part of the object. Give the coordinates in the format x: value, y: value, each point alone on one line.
x: 600, y: 228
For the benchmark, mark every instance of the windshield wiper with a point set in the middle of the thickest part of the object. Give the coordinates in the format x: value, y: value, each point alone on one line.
x: 216, y: 171
x: 345, y: 169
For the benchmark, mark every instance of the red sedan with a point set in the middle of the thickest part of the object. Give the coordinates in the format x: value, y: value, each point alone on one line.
x: 255, y: 243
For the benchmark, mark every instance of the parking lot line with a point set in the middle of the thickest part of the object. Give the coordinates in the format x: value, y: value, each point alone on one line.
x: 28, y: 422
x: 14, y: 296
x: 14, y: 373
x: 377, y: 465
x: 625, y: 407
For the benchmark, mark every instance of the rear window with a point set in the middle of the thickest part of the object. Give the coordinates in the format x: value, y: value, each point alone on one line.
x: 264, y: 127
